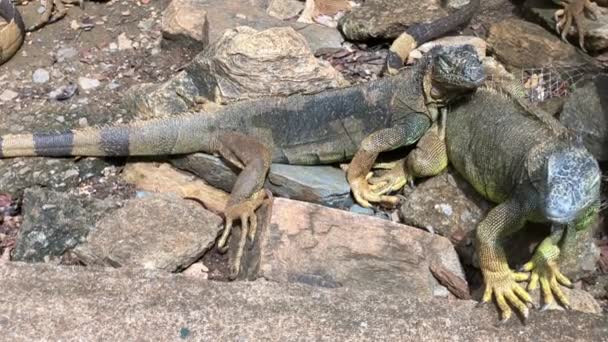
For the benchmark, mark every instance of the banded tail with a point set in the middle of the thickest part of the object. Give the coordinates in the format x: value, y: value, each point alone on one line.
x: 175, y: 135
x: 13, y: 33
x: 421, y: 33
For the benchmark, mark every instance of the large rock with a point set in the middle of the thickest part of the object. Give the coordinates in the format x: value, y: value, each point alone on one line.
x: 157, y: 232
x: 41, y: 302
x: 333, y: 248
x: 596, y: 35
x: 185, y: 23
x: 54, y: 222
x: 248, y: 64
x: 387, y: 19
x: 520, y: 44
x: 586, y: 112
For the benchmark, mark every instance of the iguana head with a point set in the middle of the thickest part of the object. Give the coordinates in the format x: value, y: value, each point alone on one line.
x: 454, y: 69
x: 571, y: 183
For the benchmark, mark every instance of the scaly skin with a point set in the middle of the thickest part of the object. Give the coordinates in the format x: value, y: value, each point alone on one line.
x: 11, y: 34
x: 536, y: 171
x: 421, y: 33
x: 357, y: 122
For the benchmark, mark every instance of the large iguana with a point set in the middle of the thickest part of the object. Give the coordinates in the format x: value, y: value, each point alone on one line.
x: 423, y: 32
x: 12, y: 33
x: 328, y: 127
x: 520, y: 157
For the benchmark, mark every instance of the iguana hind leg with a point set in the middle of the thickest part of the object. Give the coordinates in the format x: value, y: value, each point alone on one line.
x: 500, y: 281
x: 573, y: 13
x: 247, y: 194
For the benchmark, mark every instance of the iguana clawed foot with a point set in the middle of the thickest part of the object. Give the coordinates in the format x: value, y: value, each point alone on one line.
x: 503, y: 285
x: 392, y: 180
x: 50, y: 16
x: 544, y: 269
x: 366, y: 193
x: 245, y: 212
x: 573, y: 13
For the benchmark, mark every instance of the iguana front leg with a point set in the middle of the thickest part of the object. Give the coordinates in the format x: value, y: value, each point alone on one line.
x: 247, y: 194
x: 406, y: 133
x: 573, y: 12
x: 500, y: 280
x: 544, y: 265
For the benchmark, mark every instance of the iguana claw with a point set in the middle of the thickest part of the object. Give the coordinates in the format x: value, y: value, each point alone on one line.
x: 504, y: 287
x: 366, y: 193
x: 245, y: 212
x: 547, y: 273
x: 573, y: 13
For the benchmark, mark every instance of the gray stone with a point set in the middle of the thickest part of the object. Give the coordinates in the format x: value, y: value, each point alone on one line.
x: 586, y: 112
x: 234, y: 68
x: 41, y: 76
x: 285, y: 9
x: 317, y: 184
x: 596, y: 35
x: 387, y: 19
x: 66, y: 303
x: 185, y: 23
x: 87, y: 83
x: 54, y: 222
x: 8, y: 95
x: 66, y: 53
x: 320, y: 246
x: 156, y: 232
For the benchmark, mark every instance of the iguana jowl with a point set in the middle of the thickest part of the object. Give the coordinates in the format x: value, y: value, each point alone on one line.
x: 520, y: 157
x: 328, y: 127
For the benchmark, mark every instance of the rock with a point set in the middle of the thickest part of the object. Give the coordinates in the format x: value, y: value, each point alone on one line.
x: 317, y: 184
x: 66, y: 53
x: 185, y: 23
x: 165, y: 179
x: 54, y: 222
x: 598, y: 286
x: 596, y: 35
x: 325, y: 185
x: 387, y: 19
x: 324, y: 12
x: 156, y: 232
x: 221, y: 16
x: 64, y: 92
x: 159, y: 306
x: 520, y: 44
x: 236, y: 68
x: 579, y: 300
x: 285, y: 9
x: 88, y: 83
x: 124, y: 43
x: 41, y: 76
x: 333, y: 248
x: 586, y: 112
x: 8, y: 95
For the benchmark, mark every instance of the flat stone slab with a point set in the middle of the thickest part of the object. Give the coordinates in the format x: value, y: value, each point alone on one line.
x: 320, y: 246
x: 76, y: 303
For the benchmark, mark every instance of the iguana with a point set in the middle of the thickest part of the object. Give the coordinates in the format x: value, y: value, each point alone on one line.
x: 332, y: 126
x: 520, y: 157
x: 421, y: 33
x: 12, y: 33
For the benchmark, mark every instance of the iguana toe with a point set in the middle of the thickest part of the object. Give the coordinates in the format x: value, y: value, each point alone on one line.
x: 365, y: 194
x: 545, y: 271
x: 573, y: 13
x: 506, y: 291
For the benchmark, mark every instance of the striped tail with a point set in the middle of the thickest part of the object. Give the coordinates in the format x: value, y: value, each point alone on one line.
x: 421, y: 33
x: 176, y: 135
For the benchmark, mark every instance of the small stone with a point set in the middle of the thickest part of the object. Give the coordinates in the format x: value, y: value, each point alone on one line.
x: 113, y: 46
x: 60, y: 118
x: 125, y: 13
x: 88, y: 83
x: 41, y: 76
x: 83, y: 122
x: 64, y: 92
x: 285, y: 9
x: 8, y: 95
x: 74, y: 25
x: 124, y: 43
x: 114, y: 84
x: 146, y: 24
x: 66, y: 53
x: 40, y: 9
x: 185, y: 23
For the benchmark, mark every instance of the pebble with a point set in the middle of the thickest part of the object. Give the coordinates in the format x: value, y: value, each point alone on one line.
x: 8, y: 95
x: 66, y: 53
x: 113, y: 46
x: 60, y: 118
x: 124, y: 43
x: 88, y: 83
x: 114, y: 84
x: 41, y: 76
x: 83, y: 122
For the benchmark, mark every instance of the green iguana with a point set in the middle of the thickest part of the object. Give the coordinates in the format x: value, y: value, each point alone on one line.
x: 12, y: 33
x: 421, y: 33
x: 520, y: 157
x: 328, y: 127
